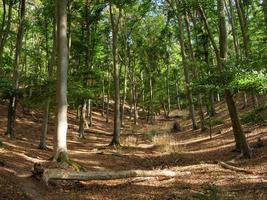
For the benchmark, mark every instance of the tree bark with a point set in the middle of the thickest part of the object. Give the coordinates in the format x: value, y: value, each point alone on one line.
x: 5, y: 32
x: 42, y: 144
x: 241, y: 141
x: 60, y: 147
x: 117, y: 123
x: 221, y: 56
x: 54, y: 174
x: 186, y: 74
x: 13, y: 97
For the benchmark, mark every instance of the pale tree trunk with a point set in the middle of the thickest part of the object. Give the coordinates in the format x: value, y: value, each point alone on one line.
x: 177, y: 90
x: 82, y: 120
x: 244, y: 30
x: 150, y: 109
x: 186, y: 74
x: 60, y: 147
x: 124, y: 95
x: 103, y: 98
x: 221, y: 55
x: 115, y: 29
x: 134, y: 88
x: 231, y: 17
x: 108, y: 98
x: 50, y: 67
x: 13, y: 98
x: 90, y: 113
x: 199, y: 96
x: 143, y: 90
x: 168, y: 91
x: 42, y: 144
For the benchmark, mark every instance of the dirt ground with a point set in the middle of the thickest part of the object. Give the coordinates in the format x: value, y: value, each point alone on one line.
x: 146, y: 147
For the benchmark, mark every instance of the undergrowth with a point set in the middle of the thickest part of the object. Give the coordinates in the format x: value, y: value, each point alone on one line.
x: 256, y: 116
x: 212, y: 192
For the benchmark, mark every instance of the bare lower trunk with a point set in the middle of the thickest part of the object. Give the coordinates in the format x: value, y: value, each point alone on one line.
x: 117, y: 123
x: 240, y: 139
x: 108, y: 98
x: 212, y: 105
x: 11, y: 116
x: 82, y: 120
x: 254, y: 99
x: 245, y: 99
x: 90, y: 113
x: 42, y: 144
x: 60, y: 147
x: 201, y: 114
x: 186, y: 74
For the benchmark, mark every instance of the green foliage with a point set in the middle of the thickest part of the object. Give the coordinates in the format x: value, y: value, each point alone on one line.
x: 212, y: 192
x: 213, y: 122
x: 248, y: 81
x: 256, y: 116
x: 5, y: 87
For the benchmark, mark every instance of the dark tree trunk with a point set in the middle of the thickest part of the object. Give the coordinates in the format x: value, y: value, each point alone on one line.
x: 13, y: 99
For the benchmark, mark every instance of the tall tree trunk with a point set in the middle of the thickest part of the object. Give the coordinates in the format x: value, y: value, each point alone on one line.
x: 186, y: 73
x: 108, y: 98
x: 117, y: 124
x: 177, y: 90
x: 13, y: 98
x: 50, y: 67
x: 124, y: 94
x: 103, y: 98
x: 5, y: 32
x: 199, y: 97
x: 42, y: 144
x: 60, y: 147
x: 244, y: 30
x: 221, y: 56
x: 237, y: 128
x: 82, y: 119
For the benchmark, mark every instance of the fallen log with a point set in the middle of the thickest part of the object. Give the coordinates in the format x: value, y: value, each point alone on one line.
x: 55, y: 174
x: 233, y: 168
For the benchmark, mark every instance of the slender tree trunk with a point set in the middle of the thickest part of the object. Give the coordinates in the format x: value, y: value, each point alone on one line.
x: 60, y: 147
x: 82, y: 120
x: 50, y: 67
x: 186, y: 74
x: 108, y: 98
x: 90, y: 113
x: 117, y: 124
x: 237, y: 128
x: 103, y: 98
x: 221, y: 55
x: 42, y: 144
x: 177, y: 91
x: 199, y: 97
x: 13, y: 99
x: 124, y: 94
x: 168, y: 91
x: 244, y: 30
x: 212, y: 104
x: 5, y: 32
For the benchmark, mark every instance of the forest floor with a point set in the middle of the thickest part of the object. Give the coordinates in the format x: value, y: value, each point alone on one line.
x: 145, y: 146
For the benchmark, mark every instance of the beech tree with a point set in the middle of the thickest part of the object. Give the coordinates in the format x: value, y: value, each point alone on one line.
x: 60, y: 147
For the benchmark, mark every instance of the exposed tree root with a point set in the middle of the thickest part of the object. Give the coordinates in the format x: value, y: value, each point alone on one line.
x: 233, y: 168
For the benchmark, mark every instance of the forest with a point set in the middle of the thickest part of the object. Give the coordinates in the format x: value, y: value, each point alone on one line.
x: 133, y: 99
